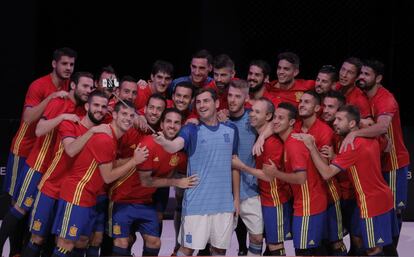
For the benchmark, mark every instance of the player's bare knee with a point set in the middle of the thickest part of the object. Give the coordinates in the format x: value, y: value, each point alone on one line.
x: 121, y: 242
x: 39, y: 240
x: 82, y: 242
x: 256, y: 238
x: 217, y: 251
x: 152, y: 241
x: 17, y: 207
x: 65, y: 244
x: 96, y: 239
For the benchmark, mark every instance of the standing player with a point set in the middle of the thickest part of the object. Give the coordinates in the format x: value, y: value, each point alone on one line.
x: 94, y: 167
x: 387, y: 121
x: 376, y: 216
x: 309, y: 193
x: 39, y: 158
x: 274, y: 193
x: 132, y: 194
x: 208, y: 209
x: 72, y: 136
x: 251, y: 218
x: 309, y: 106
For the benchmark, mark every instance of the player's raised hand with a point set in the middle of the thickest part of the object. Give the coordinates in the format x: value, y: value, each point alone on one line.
x: 140, y: 154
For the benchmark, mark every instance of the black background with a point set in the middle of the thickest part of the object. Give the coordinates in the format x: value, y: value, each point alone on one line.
x: 131, y: 35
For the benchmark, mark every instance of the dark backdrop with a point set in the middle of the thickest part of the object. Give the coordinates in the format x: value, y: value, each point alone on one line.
x: 132, y: 35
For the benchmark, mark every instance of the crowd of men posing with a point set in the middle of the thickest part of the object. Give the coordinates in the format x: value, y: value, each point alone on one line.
x: 290, y: 159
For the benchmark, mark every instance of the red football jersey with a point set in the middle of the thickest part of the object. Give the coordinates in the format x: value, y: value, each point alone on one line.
x: 309, y: 198
x: 292, y: 95
x: 356, y: 97
x: 374, y: 197
x: 41, y: 153
x: 323, y: 135
x: 161, y: 163
x: 144, y: 92
x: 384, y: 103
x: 61, y: 162
x: 38, y: 91
x: 276, y: 192
x: 84, y: 180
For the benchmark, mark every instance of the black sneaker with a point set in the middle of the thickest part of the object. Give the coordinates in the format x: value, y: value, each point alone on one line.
x: 242, y: 253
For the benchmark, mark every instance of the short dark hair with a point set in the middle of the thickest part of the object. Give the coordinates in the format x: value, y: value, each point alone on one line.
x: 375, y: 65
x: 124, y: 103
x: 128, y: 78
x: 204, y: 54
x: 352, y: 113
x: 262, y: 65
x: 290, y: 57
x: 223, y: 61
x: 162, y: 66
x: 207, y: 89
x: 330, y: 70
x: 315, y: 95
x: 64, y: 51
x: 157, y: 96
x: 96, y: 93
x: 170, y: 110
x: 77, y: 75
x: 291, y: 108
x: 185, y: 84
x: 107, y: 69
x: 356, y: 62
x: 338, y: 96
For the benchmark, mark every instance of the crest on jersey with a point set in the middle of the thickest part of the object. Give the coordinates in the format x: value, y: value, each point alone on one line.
x: 73, y: 231
x: 28, y: 201
x: 298, y: 95
x: 226, y: 138
x: 174, y: 160
x: 117, y: 230
x: 37, y: 225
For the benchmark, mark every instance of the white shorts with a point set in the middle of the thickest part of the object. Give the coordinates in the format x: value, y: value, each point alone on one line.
x: 251, y: 214
x: 198, y: 230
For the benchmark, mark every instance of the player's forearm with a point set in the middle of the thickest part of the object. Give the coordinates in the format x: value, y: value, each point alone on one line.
x: 372, y: 131
x: 34, y: 113
x: 77, y: 145
x: 45, y: 126
x: 320, y: 165
x: 257, y: 173
x: 118, y: 172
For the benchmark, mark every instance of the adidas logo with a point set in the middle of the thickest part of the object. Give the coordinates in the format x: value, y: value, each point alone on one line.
x: 288, y: 235
x: 380, y: 241
x: 156, y: 159
x: 203, y: 141
x: 311, y: 242
x: 401, y: 204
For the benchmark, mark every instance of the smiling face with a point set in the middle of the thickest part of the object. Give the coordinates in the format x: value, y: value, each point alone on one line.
x: 97, y: 109
x: 259, y: 115
x: 200, y: 68
x: 160, y: 81
x: 286, y: 72
x: 171, y: 125
x: 123, y: 119
x: 153, y: 110
x: 206, y: 106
